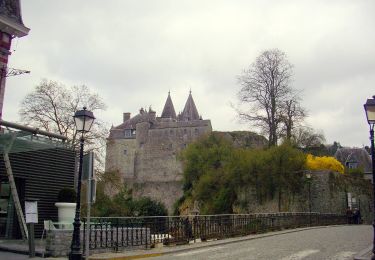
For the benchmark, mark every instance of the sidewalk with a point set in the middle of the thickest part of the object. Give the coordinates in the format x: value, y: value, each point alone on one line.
x: 20, y: 246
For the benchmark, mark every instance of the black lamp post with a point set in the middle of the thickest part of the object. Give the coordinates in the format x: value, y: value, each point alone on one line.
x: 370, y: 114
x: 83, y: 120
x: 308, y: 177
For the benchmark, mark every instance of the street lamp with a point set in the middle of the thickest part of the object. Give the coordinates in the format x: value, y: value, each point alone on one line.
x: 370, y: 114
x: 308, y: 177
x: 83, y: 120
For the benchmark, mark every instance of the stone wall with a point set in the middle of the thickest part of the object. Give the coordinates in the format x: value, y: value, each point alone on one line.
x: 167, y: 192
x: 58, y: 241
x: 120, y: 156
x: 326, y: 194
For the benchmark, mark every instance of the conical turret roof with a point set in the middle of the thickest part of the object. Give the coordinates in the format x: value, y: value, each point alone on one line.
x: 190, y: 110
x: 168, y: 111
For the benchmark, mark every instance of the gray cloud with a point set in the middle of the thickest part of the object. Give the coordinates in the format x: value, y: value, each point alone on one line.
x: 134, y: 52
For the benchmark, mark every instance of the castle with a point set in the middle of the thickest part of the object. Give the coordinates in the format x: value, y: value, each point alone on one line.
x: 144, y: 149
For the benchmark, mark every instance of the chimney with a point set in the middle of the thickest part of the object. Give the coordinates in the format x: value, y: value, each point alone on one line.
x: 126, y: 116
x: 152, y: 114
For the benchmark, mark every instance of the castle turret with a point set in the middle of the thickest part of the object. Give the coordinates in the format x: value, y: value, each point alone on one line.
x: 190, y: 112
x: 168, y: 111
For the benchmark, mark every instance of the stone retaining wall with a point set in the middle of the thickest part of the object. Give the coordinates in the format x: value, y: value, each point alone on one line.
x: 325, y: 195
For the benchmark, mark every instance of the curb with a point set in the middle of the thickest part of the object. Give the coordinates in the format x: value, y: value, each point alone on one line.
x: 130, y: 257
x: 20, y: 251
x: 222, y: 242
x: 362, y: 254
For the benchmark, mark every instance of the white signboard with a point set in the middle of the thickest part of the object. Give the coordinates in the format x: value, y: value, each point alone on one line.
x: 349, y: 200
x: 31, y: 210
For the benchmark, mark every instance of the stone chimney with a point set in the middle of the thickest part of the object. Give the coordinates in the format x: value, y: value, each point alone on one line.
x: 126, y: 116
x: 152, y: 114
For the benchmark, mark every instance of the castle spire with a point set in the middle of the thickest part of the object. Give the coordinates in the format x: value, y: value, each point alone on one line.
x: 190, y: 111
x: 168, y: 111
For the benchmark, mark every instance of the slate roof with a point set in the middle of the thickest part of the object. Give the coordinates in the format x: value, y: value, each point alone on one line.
x: 359, y: 155
x: 131, y: 123
x: 190, y: 111
x: 168, y: 111
x: 12, y: 10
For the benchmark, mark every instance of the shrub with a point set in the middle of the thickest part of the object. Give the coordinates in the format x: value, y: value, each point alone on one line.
x: 145, y: 206
x: 67, y: 195
x: 323, y: 163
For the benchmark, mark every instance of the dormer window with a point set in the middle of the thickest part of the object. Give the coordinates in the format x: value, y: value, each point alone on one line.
x: 352, y: 165
x: 128, y: 133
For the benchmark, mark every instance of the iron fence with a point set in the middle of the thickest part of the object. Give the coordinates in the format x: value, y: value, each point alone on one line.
x: 126, y: 232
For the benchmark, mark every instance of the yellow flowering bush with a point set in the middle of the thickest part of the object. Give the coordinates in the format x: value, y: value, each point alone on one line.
x: 323, y: 163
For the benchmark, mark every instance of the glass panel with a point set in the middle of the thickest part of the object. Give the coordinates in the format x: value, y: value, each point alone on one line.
x: 79, y: 123
x: 371, y: 114
x: 3, y: 206
x: 4, y: 190
x: 88, y: 123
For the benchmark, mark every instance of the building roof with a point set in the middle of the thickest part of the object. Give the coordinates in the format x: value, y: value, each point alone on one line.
x: 168, y: 111
x: 190, y: 111
x: 359, y: 155
x: 11, y: 9
x: 131, y: 123
x: 11, y: 18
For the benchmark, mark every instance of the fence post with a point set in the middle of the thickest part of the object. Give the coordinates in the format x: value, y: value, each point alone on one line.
x: 117, y: 223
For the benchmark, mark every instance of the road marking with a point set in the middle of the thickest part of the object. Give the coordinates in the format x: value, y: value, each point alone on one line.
x: 231, y: 255
x: 300, y: 255
x: 200, y: 251
x: 343, y: 255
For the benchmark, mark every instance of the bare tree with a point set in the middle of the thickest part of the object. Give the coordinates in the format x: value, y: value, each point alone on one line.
x: 292, y: 115
x: 51, y: 107
x: 307, y: 137
x: 265, y: 90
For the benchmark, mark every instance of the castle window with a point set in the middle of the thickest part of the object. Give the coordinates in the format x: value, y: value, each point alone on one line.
x: 128, y: 133
x: 125, y: 152
x: 196, y: 131
x: 171, y: 132
x: 185, y: 131
x: 133, y: 132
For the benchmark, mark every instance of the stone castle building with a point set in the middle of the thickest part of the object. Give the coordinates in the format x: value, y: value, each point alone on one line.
x: 144, y: 149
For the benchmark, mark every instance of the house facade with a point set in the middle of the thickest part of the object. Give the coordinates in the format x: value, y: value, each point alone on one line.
x: 354, y: 158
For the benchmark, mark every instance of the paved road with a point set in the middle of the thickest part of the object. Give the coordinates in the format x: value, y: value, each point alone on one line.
x: 331, y: 243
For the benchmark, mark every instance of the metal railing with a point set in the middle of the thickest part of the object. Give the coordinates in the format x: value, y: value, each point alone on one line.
x: 127, y: 232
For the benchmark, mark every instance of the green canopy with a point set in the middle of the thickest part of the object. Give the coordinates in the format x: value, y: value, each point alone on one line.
x: 21, y: 141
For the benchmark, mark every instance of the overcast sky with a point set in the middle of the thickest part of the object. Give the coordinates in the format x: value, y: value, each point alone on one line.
x: 133, y: 52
